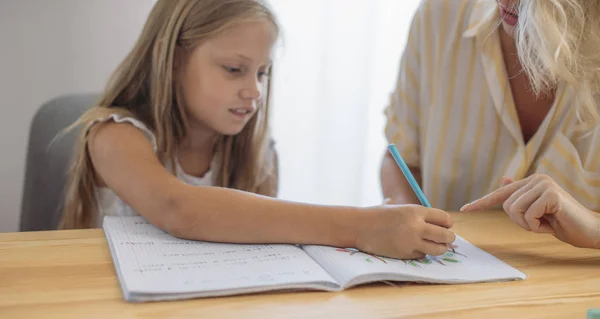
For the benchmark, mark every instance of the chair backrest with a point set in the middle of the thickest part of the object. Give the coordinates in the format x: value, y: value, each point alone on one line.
x: 48, y: 160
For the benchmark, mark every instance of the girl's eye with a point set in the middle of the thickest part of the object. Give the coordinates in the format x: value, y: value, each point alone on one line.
x: 232, y: 70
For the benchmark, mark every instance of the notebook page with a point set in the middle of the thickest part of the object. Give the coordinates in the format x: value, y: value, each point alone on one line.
x: 150, y: 261
x: 464, y: 264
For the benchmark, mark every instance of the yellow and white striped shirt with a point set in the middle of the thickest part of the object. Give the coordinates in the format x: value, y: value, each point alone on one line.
x: 452, y: 113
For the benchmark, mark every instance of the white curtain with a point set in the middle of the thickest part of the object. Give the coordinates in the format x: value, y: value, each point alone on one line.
x: 334, y: 72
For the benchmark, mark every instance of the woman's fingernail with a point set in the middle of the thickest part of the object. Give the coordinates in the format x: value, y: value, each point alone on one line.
x: 465, y: 206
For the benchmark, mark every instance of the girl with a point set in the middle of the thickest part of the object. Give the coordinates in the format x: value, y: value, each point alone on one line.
x: 181, y: 138
x: 492, y: 88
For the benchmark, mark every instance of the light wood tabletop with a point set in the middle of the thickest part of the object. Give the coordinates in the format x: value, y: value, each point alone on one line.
x: 70, y: 274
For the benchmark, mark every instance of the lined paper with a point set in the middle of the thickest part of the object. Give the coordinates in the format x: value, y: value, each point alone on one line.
x: 149, y: 261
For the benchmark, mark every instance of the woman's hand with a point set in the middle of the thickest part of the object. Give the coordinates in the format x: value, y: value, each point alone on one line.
x: 540, y: 205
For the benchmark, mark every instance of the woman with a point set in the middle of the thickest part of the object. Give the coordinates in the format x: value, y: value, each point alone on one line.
x: 499, y: 88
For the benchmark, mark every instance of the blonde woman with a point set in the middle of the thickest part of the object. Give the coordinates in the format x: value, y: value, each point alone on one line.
x: 181, y: 138
x: 493, y: 91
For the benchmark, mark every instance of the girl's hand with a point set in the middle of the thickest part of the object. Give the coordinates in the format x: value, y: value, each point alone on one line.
x: 540, y: 205
x: 405, y: 231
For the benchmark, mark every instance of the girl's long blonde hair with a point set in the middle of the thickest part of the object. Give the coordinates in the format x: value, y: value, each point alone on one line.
x: 559, y: 40
x: 143, y: 87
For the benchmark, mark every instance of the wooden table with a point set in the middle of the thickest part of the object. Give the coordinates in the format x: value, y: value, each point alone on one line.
x: 69, y: 274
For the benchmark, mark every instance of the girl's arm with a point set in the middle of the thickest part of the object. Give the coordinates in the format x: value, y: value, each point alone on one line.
x: 124, y: 160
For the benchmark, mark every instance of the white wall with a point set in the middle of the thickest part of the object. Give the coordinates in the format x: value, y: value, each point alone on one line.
x: 333, y: 76
x: 50, y: 48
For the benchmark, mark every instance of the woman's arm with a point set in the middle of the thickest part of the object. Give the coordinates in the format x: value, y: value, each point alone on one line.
x: 394, y: 185
x: 404, y: 118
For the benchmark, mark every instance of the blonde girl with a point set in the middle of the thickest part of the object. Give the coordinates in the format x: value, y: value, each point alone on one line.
x: 181, y: 137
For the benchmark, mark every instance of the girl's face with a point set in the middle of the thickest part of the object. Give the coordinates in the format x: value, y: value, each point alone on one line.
x: 509, y: 15
x: 224, y: 77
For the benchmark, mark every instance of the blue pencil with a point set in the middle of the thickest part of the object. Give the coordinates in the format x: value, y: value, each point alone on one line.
x: 409, y: 176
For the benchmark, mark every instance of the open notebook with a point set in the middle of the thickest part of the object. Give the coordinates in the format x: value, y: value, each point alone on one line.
x: 152, y: 265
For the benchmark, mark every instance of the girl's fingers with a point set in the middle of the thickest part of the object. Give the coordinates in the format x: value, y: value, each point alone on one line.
x: 438, y: 234
x: 415, y: 255
x: 432, y: 248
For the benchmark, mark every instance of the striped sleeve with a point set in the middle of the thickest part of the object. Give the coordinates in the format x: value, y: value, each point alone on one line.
x: 574, y: 164
x: 403, y: 111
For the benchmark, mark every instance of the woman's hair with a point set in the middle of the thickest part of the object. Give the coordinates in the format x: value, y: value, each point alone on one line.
x: 559, y: 40
x: 143, y: 86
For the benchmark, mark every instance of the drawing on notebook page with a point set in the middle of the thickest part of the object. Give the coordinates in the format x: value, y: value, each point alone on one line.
x: 369, y: 257
x: 450, y: 256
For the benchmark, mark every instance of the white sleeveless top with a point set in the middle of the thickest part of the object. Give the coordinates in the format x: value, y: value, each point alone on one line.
x: 109, y: 203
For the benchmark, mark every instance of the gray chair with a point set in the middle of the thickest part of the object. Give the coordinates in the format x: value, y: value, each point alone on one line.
x: 48, y: 160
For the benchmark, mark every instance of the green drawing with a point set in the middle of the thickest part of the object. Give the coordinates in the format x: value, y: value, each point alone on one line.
x: 425, y: 261
x: 450, y: 260
x: 449, y: 257
x: 354, y: 251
